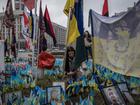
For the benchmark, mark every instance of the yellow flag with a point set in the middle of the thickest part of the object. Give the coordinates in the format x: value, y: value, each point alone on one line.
x: 73, y: 31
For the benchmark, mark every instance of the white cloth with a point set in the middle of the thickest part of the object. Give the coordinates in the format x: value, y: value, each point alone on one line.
x: 87, y: 43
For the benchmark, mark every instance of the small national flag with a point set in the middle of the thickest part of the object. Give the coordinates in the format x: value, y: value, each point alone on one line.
x: 105, y: 8
x: 48, y: 25
x: 9, y: 16
x: 30, y: 4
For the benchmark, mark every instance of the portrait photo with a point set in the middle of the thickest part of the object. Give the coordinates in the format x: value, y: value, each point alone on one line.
x: 13, y: 98
x: 62, y: 84
x: 123, y: 87
x: 113, y: 96
x: 53, y: 94
x: 125, y: 91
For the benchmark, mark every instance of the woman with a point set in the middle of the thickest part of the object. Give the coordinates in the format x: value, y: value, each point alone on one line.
x: 70, y: 59
x: 88, y: 43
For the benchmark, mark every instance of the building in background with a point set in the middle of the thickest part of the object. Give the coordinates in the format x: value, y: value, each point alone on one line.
x: 60, y: 33
x: 19, y: 5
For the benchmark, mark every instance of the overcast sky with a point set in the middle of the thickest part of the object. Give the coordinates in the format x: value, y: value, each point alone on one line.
x: 55, y: 8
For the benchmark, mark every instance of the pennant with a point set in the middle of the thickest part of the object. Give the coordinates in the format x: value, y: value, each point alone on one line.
x: 30, y: 4
x: 49, y: 27
x: 9, y: 16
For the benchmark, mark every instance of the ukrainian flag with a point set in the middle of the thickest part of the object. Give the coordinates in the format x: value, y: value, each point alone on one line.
x: 73, y: 31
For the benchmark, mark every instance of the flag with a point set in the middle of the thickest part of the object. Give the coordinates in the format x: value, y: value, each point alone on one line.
x: 41, y: 20
x: 30, y: 4
x: 116, y: 42
x: 42, y: 39
x: 26, y: 29
x: 73, y: 31
x: 80, y: 54
x: 9, y: 16
x: 26, y: 20
x: 31, y: 24
x: 46, y: 60
x: 48, y: 25
x: 13, y: 35
x: 13, y: 43
x: 105, y: 11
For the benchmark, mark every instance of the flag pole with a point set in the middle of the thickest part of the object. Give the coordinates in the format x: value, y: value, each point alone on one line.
x: 1, y: 31
x: 66, y: 39
x: 34, y: 33
x: 38, y: 42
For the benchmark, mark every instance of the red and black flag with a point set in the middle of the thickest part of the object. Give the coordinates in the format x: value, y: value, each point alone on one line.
x: 105, y: 11
x: 9, y: 16
x: 42, y: 39
x: 48, y: 25
x: 41, y: 20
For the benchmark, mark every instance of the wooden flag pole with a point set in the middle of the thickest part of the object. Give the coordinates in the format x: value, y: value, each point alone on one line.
x: 38, y: 44
x: 1, y: 31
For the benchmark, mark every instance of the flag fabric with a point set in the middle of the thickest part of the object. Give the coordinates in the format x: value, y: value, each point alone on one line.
x: 105, y: 11
x: 26, y: 29
x: 49, y: 27
x: 80, y: 54
x: 116, y: 42
x: 73, y: 31
x: 41, y: 20
x: 13, y: 35
x: 31, y: 24
x: 46, y: 60
x: 13, y: 43
x: 26, y: 20
x: 9, y: 16
x: 42, y: 39
x: 30, y: 4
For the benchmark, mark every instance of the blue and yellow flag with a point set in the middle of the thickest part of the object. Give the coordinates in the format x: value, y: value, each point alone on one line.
x: 116, y: 42
x: 73, y: 31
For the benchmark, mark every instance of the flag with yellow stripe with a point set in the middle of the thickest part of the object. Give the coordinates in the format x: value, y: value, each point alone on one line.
x: 73, y: 31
